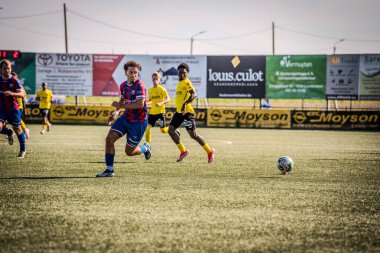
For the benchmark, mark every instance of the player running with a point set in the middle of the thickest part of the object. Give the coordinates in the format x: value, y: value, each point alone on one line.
x: 10, y: 90
x: 158, y: 97
x: 132, y: 122
x: 185, y: 94
x: 22, y: 107
x: 45, y: 96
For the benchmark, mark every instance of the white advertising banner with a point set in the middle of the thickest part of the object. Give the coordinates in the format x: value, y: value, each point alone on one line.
x: 167, y: 65
x: 369, y: 81
x: 66, y: 74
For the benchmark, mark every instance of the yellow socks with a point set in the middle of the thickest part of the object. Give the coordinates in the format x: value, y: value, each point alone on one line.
x: 148, y: 134
x: 164, y: 130
x: 181, y: 147
x: 207, y: 148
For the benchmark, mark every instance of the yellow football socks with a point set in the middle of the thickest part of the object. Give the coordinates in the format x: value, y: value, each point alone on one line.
x: 164, y: 130
x: 181, y: 147
x: 207, y: 148
x: 148, y: 134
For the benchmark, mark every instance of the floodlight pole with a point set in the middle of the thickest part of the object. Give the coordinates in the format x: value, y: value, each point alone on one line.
x: 273, y: 48
x: 192, y: 41
x: 65, y: 23
x: 337, y: 42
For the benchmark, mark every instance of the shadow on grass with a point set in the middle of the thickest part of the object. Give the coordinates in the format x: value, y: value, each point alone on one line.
x: 42, y: 178
x: 102, y: 162
x: 353, y: 159
x: 277, y: 176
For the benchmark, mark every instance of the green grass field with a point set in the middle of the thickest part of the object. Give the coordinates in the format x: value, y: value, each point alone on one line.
x: 52, y: 202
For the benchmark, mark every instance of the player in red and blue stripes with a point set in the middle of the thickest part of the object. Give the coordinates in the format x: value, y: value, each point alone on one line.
x: 132, y: 122
x: 10, y: 90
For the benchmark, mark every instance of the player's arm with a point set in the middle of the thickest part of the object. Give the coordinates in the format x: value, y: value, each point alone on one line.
x: 193, y: 95
x: 149, y: 101
x: 138, y: 104
x: 17, y: 93
x: 114, y: 115
x: 166, y: 100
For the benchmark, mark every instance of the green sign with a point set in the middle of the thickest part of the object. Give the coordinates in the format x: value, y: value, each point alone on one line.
x: 296, y: 76
x: 25, y: 67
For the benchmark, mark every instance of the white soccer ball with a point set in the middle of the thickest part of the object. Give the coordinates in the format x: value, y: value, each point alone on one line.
x: 285, y: 164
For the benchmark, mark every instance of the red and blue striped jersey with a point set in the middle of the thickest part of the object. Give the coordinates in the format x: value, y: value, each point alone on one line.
x: 131, y: 93
x: 9, y: 103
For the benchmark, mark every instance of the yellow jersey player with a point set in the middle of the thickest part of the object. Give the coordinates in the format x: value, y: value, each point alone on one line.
x: 185, y: 94
x: 21, y: 106
x: 158, y: 97
x: 45, y: 96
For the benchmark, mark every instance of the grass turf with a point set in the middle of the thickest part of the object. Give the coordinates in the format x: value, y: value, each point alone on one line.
x: 51, y: 201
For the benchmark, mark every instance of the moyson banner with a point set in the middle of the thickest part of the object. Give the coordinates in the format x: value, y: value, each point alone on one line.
x: 236, y: 76
x: 100, y: 114
x: 296, y: 76
x: 342, y: 77
x: 248, y: 118
x: 336, y: 120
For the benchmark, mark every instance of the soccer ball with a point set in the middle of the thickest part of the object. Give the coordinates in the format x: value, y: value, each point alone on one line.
x: 285, y: 164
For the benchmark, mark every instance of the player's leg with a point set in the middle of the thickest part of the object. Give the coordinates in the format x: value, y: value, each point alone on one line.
x: 117, y: 130
x: 14, y: 119
x: 48, y: 123
x: 4, y: 129
x: 161, y: 121
x: 44, y: 120
x: 176, y: 122
x: 23, y: 125
x: 190, y: 125
x: 151, y: 123
x: 135, y: 133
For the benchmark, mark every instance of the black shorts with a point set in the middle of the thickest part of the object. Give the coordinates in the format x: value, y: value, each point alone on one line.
x: 153, y: 118
x: 188, y: 121
x: 44, y: 112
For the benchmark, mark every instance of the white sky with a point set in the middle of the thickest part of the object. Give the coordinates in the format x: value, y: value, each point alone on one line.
x: 356, y: 21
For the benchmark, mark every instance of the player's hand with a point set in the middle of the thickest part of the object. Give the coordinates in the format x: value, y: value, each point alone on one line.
x: 8, y: 93
x: 111, y: 119
x: 183, y: 109
x: 159, y: 104
x: 116, y: 104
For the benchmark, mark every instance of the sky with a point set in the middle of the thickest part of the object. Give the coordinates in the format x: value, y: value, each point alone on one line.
x: 218, y: 27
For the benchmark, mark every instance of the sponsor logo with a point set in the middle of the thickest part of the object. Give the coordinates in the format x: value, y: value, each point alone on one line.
x: 247, y: 76
x: 332, y: 118
x: 59, y: 111
x: 316, y: 118
x: 371, y: 59
x: 215, y: 115
x: 73, y: 57
x: 334, y: 60
x: 287, y: 63
x: 45, y: 59
x: 299, y: 117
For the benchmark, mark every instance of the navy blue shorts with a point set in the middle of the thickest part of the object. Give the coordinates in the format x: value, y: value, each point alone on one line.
x: 134, y: 130
x: 13, y: 117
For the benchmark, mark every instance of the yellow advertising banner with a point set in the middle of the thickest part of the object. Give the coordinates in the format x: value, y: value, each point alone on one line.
x: 80, y: 114
x: 248, y: 118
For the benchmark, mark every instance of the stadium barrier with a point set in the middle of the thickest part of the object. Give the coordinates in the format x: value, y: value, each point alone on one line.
x: 369, y: 120
x: 226, y: 117
x: 248, y: 118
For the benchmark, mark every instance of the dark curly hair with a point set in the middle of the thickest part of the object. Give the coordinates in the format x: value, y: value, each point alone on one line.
x: 183, y: 66
x: 133, y: 64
